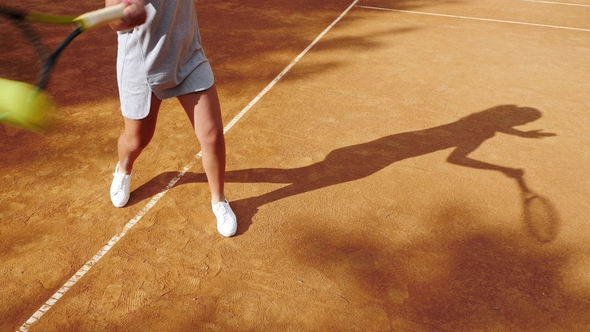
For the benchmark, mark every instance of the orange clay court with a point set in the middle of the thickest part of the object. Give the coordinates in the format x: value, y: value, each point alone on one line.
x: 378, y: 155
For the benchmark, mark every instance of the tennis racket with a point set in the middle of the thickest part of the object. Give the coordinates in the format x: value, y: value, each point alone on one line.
x: 23, y: 101
x: 540, y: 216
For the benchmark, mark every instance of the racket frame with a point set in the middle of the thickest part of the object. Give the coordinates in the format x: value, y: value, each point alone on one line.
x: 37, y: 101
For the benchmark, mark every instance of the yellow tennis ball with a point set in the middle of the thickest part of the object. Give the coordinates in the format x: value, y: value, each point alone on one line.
x: 24, y: 106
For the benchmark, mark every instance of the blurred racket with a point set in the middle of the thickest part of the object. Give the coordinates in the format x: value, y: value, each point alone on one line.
x: 539, y: 214
x: 25, y: 104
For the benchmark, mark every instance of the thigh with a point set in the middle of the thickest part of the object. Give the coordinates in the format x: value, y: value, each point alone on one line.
x: 143, y: 130
x: 203, y: 110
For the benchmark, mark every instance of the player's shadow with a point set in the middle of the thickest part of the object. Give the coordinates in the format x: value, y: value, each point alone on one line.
x: 361, y: 160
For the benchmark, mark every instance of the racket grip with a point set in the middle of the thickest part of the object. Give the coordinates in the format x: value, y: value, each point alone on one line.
x: 101, y: 16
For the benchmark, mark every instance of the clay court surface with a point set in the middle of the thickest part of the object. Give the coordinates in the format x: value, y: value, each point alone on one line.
x: 376, y: 183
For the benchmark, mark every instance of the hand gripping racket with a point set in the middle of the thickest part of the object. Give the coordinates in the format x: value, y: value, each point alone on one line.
x: 26, y: 105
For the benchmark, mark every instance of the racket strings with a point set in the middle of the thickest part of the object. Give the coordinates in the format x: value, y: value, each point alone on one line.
x: 47, y: 64
x: 540, y: 215
x: 541, y: 218
x: 25, y: 70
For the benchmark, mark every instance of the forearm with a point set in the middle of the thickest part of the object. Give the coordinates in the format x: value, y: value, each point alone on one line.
x: 462, y: 160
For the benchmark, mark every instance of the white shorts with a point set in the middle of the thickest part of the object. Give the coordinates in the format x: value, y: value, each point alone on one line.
x: 163, y: 57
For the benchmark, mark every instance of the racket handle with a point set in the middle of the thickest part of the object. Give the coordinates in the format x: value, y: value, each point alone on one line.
x: 101, y: 16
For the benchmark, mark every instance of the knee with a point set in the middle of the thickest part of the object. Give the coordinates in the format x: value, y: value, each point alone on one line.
x: 212, y: 138
x: 135, y: 142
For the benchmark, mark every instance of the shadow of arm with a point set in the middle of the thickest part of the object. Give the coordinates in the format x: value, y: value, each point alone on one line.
x: 459, y: 157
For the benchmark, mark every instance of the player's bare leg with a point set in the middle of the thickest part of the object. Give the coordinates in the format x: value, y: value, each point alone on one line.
x: 204, y: 112
x: 135, y: 137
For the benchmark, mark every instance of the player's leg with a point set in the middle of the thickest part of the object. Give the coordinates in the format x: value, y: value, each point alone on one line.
x: 204, y: 112
x: 135, y: 137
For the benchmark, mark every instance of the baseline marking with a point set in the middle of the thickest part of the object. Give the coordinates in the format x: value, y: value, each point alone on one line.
x: 557, y: 3
x: 271, y: 84
x: 475, y: 18
x: 102, y: 252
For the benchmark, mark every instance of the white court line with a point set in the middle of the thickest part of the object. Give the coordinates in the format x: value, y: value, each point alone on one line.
x: 475, y: 18
x: 101, y: 253
x: 82, y: 271
x: 558, y: 3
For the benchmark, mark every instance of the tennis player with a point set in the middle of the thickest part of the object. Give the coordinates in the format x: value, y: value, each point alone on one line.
x: 159, y: 57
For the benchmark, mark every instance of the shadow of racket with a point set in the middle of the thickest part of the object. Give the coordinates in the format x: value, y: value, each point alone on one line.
x: 539, y: 214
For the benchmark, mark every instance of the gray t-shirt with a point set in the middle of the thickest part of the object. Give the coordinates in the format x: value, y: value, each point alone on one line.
x: 163, y: 56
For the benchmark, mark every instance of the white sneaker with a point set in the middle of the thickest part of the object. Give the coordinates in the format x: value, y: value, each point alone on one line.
x: 120, y: 188
x: 227, y: 224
